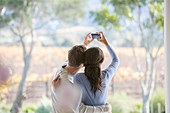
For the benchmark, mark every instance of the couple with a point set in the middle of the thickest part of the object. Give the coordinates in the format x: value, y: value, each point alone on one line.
x: 74, y: 92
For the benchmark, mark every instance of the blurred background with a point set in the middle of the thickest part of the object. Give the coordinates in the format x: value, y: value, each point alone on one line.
x: 35, y: 36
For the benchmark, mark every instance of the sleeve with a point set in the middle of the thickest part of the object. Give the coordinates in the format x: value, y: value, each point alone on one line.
x: 111, y: 69
x: 57, y: 72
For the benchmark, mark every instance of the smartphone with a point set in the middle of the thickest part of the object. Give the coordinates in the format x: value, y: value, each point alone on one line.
x: 96, y: 36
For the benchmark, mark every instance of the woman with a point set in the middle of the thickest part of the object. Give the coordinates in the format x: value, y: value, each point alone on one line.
x: 94, y: 82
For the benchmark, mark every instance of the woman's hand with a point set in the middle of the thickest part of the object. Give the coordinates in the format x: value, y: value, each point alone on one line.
x: 103, y: 39
x: 56, y: 82
x: 86, y: 39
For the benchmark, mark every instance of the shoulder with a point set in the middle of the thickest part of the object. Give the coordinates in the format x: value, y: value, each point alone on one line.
x: 79, y: 76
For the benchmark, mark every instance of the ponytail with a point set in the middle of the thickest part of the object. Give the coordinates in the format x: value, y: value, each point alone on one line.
x: 93, y: 59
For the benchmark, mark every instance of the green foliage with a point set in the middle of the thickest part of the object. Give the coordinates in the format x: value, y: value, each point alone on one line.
x: 103, y: 17
x: 121, y: 103
x: 158, y: 97
x: 119, y: 9
x: 68, y: 10
x: 124, y: 10
x: 157, y: 10
x: 29, y: 109
x: 16, y: 11
x: 45, y: 106
x: 4, y: 108
x: 137, y: 107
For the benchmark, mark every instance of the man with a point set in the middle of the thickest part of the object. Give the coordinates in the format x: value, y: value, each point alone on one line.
x: 66, y: 97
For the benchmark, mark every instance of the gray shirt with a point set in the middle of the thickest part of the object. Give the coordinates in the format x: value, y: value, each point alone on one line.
x: 66, y: 97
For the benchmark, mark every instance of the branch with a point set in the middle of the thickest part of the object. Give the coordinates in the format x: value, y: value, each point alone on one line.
x: 2, y: 11
x: 140, y: 25
x: 156, y: 55
x: 24, y: 49
x: 138, y: 67
x: 42, y: 25
x: 32, y: 42
x: 32, y: 45
x: 149, y: 46
x: 152, y: 27
x: 147, y: 69
x: 137, y: 62
x: 153, y: 74
x: 14, y: 32
x: 17, y: 30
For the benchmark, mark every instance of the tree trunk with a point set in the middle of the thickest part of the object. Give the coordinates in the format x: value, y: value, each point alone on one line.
x: 46, y: 87
x: 17, y: 105
x: 145, y: 104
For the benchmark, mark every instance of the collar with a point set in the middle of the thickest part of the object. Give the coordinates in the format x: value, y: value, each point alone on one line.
x: 66, y: 75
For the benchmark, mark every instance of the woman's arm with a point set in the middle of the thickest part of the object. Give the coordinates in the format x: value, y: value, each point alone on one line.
x: 111, y: 69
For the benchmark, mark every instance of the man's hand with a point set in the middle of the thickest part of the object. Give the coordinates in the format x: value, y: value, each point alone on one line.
x: 86, y: 39
x: 56, y: 82
x: 109, y: 107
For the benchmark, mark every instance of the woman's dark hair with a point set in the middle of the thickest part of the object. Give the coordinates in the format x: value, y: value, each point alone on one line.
x: 76, y: 55
x: 93, y: 58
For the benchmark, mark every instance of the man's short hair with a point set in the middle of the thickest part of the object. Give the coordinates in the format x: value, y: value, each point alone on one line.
x: 76, y: 55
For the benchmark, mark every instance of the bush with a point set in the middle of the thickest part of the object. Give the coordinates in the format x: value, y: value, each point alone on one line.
x: 4, y: 108
x: 29, y: 109
x: 121, y: 103
x: 137, y: 107
x: 158, y: 97
x: 45, y: 106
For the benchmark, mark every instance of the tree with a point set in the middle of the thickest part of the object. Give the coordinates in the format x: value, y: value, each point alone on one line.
x: 20, y: 16
x: 24, y: 17
x: 147, y: 17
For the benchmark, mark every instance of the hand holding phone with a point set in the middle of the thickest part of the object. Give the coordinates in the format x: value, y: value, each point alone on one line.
x: 88, y: 39
x: 103, y: 39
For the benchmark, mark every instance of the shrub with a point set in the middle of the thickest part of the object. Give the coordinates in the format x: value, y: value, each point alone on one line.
x: 45, y: 106
x: 158, y: 97
x: 4, y: 108
x: 29, y: 109
x: 137, y: 107
x: 121, y: 103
